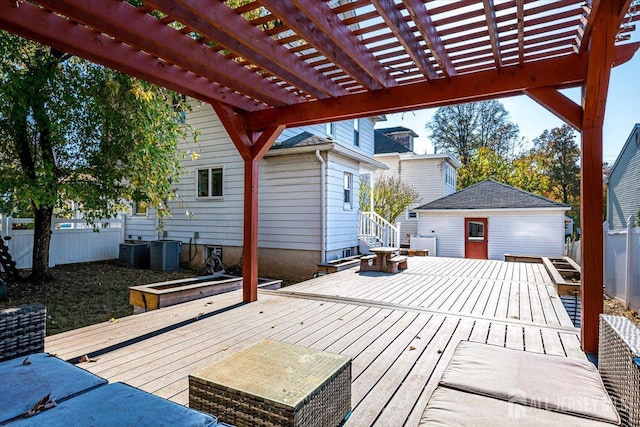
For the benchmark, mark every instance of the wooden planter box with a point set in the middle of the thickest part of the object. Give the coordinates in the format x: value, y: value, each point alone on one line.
x: 157, y: 295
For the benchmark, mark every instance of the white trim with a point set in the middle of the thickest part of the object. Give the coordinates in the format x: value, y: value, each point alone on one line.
x: 209, y: 168
x: 481, y: 212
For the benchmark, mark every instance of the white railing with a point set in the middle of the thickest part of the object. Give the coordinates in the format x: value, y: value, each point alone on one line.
x: 377, y: 231
x: 72, y: 240
x: 622, y: 263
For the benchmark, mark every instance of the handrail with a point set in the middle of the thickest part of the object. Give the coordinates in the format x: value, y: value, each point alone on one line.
x: 373, y: 226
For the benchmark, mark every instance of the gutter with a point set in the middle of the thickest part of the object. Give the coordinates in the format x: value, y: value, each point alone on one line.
x: 323, y: 207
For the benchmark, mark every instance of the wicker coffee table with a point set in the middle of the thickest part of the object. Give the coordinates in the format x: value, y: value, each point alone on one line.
x: 273, y: 383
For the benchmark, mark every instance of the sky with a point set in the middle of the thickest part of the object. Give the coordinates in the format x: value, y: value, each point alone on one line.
x: 622, y: 113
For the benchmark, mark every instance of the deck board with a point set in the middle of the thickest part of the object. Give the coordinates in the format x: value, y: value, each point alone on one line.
x: 400, y: 330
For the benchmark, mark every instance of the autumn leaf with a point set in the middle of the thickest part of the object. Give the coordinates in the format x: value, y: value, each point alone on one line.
x: 43, y: 404
x: 85, y: 358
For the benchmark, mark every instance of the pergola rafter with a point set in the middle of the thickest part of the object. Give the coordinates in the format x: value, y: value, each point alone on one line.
x: 271, y: 64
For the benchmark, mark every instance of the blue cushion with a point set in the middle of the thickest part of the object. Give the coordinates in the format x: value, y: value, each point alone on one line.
x: 23, y: 385
x: 119, y: 405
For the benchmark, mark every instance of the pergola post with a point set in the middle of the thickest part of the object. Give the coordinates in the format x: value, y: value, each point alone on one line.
x: 252, y: 146
x: 592, y: 251
x: 606, y: 17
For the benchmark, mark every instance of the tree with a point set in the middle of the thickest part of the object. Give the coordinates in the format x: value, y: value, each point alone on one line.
x: 464, y: 128
x: 71, y: 130
x: 560, y: 154
x: 391, y: 196
x: 484, y: 164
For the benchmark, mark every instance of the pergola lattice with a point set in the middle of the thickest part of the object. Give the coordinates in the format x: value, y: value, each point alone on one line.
x: 271, y: 64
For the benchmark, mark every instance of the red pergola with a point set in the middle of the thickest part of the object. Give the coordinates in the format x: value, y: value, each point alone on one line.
x: 271, y: 64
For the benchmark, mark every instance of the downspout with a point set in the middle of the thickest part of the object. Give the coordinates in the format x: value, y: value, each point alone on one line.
x: 323, y: 207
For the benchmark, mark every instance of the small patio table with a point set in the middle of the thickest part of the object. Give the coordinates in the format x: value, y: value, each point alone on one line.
x: 383, y: 255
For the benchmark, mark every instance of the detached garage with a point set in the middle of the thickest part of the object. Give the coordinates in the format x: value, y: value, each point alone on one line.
x: 491, y: 219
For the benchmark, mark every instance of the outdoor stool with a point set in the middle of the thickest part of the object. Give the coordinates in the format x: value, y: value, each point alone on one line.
x: 275, y: 384
x: 24, y: 383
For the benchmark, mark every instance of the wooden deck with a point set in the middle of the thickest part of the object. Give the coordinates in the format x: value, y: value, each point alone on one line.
x: 399, y: 329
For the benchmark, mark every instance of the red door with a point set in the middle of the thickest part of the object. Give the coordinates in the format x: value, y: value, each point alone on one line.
x: 476, y: 238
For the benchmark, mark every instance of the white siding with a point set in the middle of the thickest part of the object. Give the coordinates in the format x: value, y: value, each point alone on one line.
x: 623, y: 195
x: 510, y: 232
x: 342, y: 224
x: 449, y: 230
x: 526, y: 234
x: 290, y: 202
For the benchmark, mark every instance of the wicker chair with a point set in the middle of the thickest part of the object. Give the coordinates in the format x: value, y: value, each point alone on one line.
x: 22, y: 331
x: 619, y: 365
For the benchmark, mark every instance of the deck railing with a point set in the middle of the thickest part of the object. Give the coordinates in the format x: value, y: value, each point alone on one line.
x: 377, y: 231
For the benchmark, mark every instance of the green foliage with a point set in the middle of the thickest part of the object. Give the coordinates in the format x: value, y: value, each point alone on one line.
x: 463, y: 129
x: 71, y: 130
x: 391, y: 196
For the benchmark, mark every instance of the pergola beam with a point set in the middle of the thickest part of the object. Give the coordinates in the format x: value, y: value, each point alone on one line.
x: 221, y: 24
x: 152, y: 36
x: 392, y: 16
x: 559, y: 72
x: 323, y: 29
x: 559, y: 104
x: 45, y: 27
x: 492, y: 25
x: 424, y: 23
x: 520, y: 18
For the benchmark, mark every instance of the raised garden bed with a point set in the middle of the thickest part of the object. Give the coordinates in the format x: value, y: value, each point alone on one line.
x: 157, y: 295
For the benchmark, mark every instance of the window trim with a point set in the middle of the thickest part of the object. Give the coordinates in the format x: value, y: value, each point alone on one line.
x: 347, y: 179
x: 136, y: 211
x: 356, y: 132
x: 408, y: 213
x: 209, y: 182
x: 330, y: 129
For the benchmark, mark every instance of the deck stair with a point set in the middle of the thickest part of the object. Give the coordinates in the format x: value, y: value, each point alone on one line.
x: 375, y: 231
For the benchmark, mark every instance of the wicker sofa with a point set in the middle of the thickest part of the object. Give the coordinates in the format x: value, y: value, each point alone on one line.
x: 22, y: 331
x: 619, y: 365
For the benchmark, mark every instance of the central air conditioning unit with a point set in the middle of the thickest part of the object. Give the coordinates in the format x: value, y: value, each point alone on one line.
x: 419, y: 242
x: 134, y: 255
x: 165, y: 255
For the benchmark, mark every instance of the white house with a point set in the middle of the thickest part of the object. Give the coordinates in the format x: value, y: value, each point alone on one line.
x: 623, y: 183
x: 433, y: 175
x: 308, y: 196
x: 490, y: 219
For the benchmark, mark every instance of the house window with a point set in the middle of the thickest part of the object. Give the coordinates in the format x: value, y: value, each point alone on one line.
x: 210, y: 182
x: 348, y: 190
x: 356, y: 132
x: 475, y: 231
x: 330, y: 129
x: 411, y: 214
x: 140, y: 208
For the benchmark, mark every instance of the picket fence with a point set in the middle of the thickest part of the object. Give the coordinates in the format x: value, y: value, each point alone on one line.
x: 72, y: 240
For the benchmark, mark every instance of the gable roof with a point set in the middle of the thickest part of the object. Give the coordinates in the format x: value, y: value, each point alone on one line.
x: 385, y: 145
x: 396, y: 129
x: 630, y: 144
x: 303, y: 139
x: 490, y: 194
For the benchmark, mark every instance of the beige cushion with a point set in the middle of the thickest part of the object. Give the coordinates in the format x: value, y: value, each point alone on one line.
x: 543, y: 381
x: 449, y: 408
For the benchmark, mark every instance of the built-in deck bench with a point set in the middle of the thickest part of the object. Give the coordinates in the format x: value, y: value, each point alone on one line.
x: 337, y: 265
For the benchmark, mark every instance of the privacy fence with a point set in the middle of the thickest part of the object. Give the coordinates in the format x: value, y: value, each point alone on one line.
x: 622, y: 263
x: 72, y: 240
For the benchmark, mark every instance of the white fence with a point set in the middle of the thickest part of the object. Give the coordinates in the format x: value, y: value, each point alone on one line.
x: 72, y: 240
x: 622, y: 263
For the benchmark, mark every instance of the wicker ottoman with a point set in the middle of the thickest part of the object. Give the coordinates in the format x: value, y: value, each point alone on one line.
x: 275, y: 384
